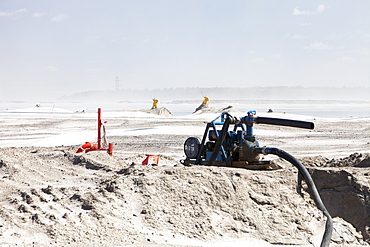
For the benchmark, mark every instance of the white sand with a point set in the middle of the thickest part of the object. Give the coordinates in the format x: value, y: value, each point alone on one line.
x: 117, y: 213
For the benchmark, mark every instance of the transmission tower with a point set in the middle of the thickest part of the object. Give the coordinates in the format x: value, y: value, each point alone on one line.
x: 117, y: 83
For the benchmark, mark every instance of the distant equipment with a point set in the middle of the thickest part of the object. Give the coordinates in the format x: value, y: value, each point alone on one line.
x: 203, y: 105
x: 155, y: 103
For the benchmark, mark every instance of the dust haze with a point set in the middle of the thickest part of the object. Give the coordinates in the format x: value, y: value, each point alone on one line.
x: 191, y: 93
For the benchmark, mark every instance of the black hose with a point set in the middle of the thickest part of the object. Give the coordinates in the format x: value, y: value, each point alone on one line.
x: 311, y: 185
x: 284, y: 122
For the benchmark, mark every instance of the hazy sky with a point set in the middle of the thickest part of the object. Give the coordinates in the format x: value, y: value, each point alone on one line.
x: 56, y: 47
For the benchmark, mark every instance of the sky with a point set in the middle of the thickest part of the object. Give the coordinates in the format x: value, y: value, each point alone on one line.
x: 54, y: 48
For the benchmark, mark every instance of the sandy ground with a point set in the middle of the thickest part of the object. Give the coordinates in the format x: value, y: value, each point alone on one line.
x: 53, y: 196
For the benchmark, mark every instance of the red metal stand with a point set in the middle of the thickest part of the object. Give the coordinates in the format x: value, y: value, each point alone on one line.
x: 88, y: 147
x: 99, y: 128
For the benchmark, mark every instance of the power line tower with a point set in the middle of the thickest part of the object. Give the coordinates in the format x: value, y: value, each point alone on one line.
x: 117, y: 83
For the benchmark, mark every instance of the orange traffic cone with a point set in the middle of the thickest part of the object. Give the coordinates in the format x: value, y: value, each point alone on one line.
x: 151, y: 159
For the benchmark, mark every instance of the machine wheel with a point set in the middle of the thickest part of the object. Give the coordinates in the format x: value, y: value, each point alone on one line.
x: 192, y: 147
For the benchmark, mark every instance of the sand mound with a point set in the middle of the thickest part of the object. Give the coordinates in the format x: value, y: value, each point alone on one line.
x: 345, y: 193
x: 54, y: 197
x: 201, y: 110
x: 344, y: 185
x: 159, y: 111
x: 354, y: 160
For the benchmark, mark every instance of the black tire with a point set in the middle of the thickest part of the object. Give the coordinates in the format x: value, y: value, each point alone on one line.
x: 192, y: 147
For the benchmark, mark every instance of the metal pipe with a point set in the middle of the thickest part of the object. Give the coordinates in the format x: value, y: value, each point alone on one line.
x: 99, y: 128
x: 311, y: 185
x: 110, y: 149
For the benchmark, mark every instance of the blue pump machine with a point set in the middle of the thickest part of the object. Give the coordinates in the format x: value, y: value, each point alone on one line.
x: 234, y: 148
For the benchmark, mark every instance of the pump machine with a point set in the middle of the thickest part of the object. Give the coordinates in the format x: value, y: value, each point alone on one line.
x: 239, y: 148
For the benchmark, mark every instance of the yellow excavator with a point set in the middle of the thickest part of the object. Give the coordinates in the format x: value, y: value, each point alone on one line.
x: 203, y: 105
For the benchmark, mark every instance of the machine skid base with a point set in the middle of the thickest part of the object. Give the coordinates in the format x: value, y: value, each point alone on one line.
x: 261, y: 165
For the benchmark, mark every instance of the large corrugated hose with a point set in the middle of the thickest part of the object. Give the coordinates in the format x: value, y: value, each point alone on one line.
x: 311, y: 185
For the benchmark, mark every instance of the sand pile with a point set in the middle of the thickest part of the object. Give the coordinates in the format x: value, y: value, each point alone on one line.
x: 353, y: 160
x: 344, y: 185
x: 54, y: 197
x: 163, y: 111
x: 207, y: 109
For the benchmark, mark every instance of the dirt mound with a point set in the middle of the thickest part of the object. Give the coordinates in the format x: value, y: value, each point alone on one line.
x: 52, y: 196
